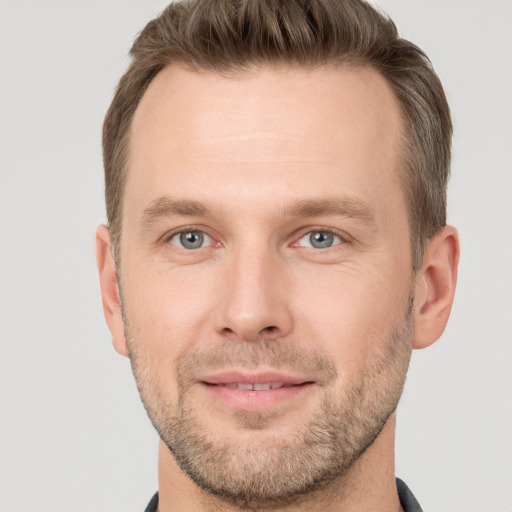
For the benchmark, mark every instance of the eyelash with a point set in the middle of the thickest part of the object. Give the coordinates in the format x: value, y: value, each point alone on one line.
x: 198, y: 229
x: 188, y: 229
x: 341, y: 237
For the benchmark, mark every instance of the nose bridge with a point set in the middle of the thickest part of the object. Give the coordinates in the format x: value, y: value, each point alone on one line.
x: 254, y: 304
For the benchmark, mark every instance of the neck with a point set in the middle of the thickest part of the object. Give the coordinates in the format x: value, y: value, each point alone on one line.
x: 369, y: 485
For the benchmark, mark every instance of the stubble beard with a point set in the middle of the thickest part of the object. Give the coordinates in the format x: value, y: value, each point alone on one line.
x: 263, y: 472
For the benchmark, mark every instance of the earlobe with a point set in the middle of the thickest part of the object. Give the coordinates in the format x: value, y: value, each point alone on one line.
x: 435, y: 287
x: 109, y: 289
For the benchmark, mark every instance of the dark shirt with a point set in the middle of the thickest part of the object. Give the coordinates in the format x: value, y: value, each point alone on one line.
x: 407, y: 499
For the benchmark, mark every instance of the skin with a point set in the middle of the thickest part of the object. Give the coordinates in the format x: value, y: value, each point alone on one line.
x: 249, y: 150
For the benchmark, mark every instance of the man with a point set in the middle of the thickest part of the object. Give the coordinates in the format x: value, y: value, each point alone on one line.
x: 277, y: 245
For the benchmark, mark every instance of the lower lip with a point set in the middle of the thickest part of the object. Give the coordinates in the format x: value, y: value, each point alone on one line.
x: 248, y: 399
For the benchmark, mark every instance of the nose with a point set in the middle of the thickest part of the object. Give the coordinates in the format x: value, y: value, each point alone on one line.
x: 254, y: 303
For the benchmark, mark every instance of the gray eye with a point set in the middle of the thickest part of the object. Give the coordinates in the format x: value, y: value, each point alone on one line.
x: 320, y: 240
x: 190, y: 239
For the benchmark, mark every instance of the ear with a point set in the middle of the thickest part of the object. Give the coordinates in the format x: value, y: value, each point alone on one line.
x: 110, y: 290
x: 435, y: 286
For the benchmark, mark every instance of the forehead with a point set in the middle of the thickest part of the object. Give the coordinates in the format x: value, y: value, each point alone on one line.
x: 282, y: 126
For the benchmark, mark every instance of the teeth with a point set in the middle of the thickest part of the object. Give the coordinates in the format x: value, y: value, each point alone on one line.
x: 264, y: 386
x: 244, y: 385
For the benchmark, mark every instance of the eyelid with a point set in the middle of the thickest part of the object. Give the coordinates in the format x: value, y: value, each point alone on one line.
x: 344, y: 237
x: 167, y: 237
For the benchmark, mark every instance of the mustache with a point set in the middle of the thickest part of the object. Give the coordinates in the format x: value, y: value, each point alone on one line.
x: 268, y: 353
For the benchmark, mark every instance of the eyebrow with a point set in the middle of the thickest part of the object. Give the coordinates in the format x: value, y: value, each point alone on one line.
x: 332, y: 206
x: 165, y: 207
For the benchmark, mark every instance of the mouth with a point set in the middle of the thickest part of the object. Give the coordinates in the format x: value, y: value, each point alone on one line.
x: 255, y: 391
x: 263, y: 386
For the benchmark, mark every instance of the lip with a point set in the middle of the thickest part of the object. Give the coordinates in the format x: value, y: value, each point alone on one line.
x: 222, y: 387
x: 253, y: 378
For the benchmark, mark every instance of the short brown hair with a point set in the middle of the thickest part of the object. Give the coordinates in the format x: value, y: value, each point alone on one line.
x: 231, y: 35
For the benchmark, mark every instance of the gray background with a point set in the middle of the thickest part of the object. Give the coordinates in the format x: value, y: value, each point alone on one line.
x: 74, y: 436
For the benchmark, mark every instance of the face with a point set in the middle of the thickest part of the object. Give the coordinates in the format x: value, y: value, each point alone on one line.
x: 266, y: 273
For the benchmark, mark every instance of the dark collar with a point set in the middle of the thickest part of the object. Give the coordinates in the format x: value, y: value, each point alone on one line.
x: 407, y: 499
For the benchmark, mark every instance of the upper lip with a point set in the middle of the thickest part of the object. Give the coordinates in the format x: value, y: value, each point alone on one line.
x: 232, y: 377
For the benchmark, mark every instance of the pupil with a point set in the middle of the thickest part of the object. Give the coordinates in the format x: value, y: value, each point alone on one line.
x: 321, y: 239
x: 192, y: 239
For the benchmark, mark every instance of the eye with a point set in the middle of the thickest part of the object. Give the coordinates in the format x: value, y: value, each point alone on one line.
x: 191, y: 240
x: 319, y: 240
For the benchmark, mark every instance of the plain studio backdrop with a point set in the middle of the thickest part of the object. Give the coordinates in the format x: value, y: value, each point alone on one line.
x: 74, y: 435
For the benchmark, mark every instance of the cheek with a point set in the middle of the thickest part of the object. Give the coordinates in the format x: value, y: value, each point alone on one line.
x: 350, y: 312
x: 342, y: 310
x: 168, y: 314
